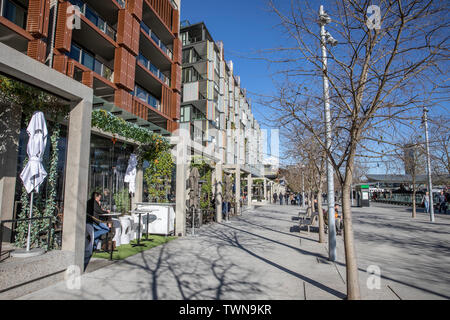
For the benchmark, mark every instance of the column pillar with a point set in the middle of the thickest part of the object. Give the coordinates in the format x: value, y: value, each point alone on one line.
x: 76, y: 180
x: 265, y: 190
x: 182, y: 174
x: 219, y: 192
x: 10, y: 117
x: 249, y: 189
x: 238, y: 188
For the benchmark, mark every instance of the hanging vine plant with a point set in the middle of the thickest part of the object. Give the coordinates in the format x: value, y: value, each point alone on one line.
x: 150, y: 144
x: 157, y: 176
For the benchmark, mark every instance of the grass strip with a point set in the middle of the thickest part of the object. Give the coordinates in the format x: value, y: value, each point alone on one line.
x: 127, y: 250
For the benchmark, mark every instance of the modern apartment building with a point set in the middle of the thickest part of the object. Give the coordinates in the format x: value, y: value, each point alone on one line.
x: 215, y: 108
x: 127, y: 51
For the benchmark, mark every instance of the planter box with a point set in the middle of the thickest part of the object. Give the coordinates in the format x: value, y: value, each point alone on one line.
x: 165, y: 214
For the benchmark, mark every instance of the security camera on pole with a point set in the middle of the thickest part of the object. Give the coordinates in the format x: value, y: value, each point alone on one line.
x: 326, y: 38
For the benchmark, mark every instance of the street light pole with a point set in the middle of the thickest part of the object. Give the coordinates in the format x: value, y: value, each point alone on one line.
x: 326, y: 38
x: 303, y: 187
x: 430, y: 185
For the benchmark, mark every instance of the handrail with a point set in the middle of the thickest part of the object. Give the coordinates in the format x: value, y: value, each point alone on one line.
x: 2, y: 222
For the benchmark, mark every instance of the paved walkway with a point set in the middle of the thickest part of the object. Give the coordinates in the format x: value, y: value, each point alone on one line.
x: 261, y: 255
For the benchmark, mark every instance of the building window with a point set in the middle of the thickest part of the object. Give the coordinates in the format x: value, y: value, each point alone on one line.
x: 185, y: 114
x: 15, y: 13
x: 147, y: 97
x: 190, y: 75
x: 190, y: 56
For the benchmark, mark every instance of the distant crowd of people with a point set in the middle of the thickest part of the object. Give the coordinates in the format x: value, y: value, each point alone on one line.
x: 287, y: 198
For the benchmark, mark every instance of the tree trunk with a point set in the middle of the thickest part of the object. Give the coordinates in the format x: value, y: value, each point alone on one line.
x: 321, y: 222
x: 353, y: 292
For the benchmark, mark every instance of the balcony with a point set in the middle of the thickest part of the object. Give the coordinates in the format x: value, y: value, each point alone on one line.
x: 14, y: 12
x: 87, y: 60
x: 147, y: 97
x: 154, y: 70
x: 95, y: 18
x: 157, y: 41
x: 157, y: 16
x: 13, y: 19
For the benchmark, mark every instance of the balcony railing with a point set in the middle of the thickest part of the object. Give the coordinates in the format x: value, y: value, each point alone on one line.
x: 95, y: 18
x: 146, y: 97
x: 158, y: 42
x: 87, y: 60
x: 14, y: 12
x: 122, y: 3
x: 153, y: 69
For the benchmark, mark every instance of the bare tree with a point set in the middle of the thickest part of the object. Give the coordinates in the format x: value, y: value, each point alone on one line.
x: 373, y: 75
x: 440, y: 144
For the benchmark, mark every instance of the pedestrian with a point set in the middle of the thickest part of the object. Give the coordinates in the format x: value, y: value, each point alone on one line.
x: 286, y: 199
x: 275, y: 196
x: 442, y: 203
x: 426, y: 202
x: 281, y: 198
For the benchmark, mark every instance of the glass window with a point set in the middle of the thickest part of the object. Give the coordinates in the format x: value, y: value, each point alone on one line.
x: 15, y: 13
x: 155, y: 38
x: 184, y: 38
x: 143, y: 60
x: 185, y: 115
x: 141, y: 94
x: 98, y: 67
x: 91, y: 15
x: 87, y: 60
x: 75, y: 53
x: 145, y: 27
x: 154, y: 69
x: 101, y: 24
x: 77, y: 3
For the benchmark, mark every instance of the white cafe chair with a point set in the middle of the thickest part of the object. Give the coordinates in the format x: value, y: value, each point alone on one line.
x: 125, y: 236
x: 118, y: 231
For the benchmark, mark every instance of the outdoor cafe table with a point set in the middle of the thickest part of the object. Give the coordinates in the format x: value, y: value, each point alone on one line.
x: 139, y: 212
x: 112, y: 214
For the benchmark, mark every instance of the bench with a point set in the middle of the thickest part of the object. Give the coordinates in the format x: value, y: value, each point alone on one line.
x: 310, y: 222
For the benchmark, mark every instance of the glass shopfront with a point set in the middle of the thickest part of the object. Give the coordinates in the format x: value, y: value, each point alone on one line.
x: 108, y: 164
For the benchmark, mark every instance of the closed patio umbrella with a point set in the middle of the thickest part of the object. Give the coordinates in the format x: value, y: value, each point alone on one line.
x: 34, y: 174
x: 130, y: 175
x: 194, y: 196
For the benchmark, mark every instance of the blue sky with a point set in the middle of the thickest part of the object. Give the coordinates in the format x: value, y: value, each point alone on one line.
x: 245, y: 27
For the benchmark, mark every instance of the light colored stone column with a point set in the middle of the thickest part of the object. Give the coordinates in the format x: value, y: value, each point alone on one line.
x: 9, y: 145
x: 182, y: 174
x: 219, y: 191
x: 238, y: 188
x: 249, y: 189
x: 265, y: 190
x: 76, y: 180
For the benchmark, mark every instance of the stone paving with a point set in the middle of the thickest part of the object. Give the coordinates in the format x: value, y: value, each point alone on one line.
x: 262, y: 255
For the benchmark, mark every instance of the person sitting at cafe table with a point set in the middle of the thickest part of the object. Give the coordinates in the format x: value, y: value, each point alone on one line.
x: 94, y: 212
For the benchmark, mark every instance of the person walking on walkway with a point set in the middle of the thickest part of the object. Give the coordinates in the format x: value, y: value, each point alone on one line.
x: 275, y: 196
x: 442, y: 203
x: 426, y: 202
x: 281, y: 198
